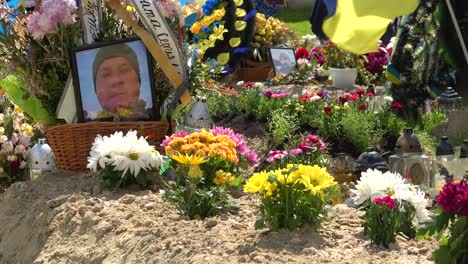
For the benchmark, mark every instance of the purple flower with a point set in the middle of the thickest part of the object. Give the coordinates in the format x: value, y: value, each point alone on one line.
x: 241, y: 50
x: 250, y: 15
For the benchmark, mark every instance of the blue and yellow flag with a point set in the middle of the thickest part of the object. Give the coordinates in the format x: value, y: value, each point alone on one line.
x: 358, y: 25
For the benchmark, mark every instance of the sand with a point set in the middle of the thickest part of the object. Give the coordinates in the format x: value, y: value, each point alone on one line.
x: 66, y: 218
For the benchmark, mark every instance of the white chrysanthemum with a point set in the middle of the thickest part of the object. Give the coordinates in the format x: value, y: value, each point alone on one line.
x: 388, y: 99
x: 375, y: 184
x: 124, y: 153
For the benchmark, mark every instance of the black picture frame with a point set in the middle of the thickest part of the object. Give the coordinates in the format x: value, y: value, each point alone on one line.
x: 275, y: 61
x: 83, y: 75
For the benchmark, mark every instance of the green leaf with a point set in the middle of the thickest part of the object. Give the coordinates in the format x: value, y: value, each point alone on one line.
x: 259, y: 224
x: 26, y: 101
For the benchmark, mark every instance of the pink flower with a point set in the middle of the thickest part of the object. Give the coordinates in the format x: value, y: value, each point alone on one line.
x: 20, y: 149
x: 396, y: 106
x: 241, y: 146
x: 248, y: 85
x: 387, y: 201
x: 252, y: 158
x: 14, y: 138
x: 233, y: 93
x: 24, y: 140
x: 168, y: 140
x: 275, y: 155
x: 280, y: 95
x: 52, y: 12
x: 296, y: 151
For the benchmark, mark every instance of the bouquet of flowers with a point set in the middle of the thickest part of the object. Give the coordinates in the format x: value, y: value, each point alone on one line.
x: 223, y: 27
x: 291, y: 196
x: 382, y: 221
x: 411, y: 201
x: 16, y: 136
x: 123, y: 159
x: 339, y: 58
x: 206, y: 164
x: 269, y: 32
x: 453, y: 214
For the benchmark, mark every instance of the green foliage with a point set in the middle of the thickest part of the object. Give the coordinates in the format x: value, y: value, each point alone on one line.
x: 111, y: 178
x: 340, y: 58
x: 431, y: 120
x: 198, y: 202
x: 281, y: 126
x: 454, y: 248
x: 26, y: 101
x: 360, y: 129
x: 221, y: 105
x: 381, y: 224
x: 291, y: 208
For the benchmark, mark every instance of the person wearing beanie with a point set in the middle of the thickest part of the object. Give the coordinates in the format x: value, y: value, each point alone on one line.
x: 117, y: 83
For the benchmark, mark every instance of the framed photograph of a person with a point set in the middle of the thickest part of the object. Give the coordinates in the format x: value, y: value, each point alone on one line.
x: 114, y: 81
x: 283, y: 60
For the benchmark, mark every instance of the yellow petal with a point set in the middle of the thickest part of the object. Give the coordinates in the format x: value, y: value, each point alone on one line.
x: 234, y: 42
x: 223, y: 58
x: 240, y: 12
x: 240, y: 25
x: 239, y: 2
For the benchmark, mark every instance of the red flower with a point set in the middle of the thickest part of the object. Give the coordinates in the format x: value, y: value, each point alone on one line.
x: 248, y: 85
x: 302, y: 53
x: 233, y: 93
x: 14, y: 165
x: 370, y: 94
x: 225, y: 88
x: 360, y: 92
x: 387, y: 201
x: 396, y: 106
x: 305, y: 98
x: 268, y: 93
x: 343, y: 99
x: 320, y: 94
x: 327, y: 109
x: 151, y: 137
x: 354, y: 97
x: 362, y: 107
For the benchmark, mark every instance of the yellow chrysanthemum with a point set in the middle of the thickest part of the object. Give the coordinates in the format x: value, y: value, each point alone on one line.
x: 314, y: 178
x: 187, y: 160
x: 238, y: 2
x: 270, y: 188
x: 256, y: 183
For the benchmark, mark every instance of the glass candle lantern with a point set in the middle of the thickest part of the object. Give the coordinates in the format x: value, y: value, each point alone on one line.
x: 369, y: 160
x: 444, y: 165
x: 462, y: 162
x: 198, y: 117
x: 409, y: 161
x: 41, y: 159
x: 449, y: 100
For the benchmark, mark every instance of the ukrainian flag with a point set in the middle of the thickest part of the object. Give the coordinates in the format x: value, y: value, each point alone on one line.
x: 358, y: 25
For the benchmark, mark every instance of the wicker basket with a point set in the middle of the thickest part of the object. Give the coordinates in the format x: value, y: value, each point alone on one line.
x: 251, y: 71
x: 72, y: 143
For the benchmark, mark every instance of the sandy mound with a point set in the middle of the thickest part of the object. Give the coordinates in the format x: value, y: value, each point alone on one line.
x: 64, y: 218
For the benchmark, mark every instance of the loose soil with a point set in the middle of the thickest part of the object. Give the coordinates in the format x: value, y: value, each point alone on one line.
x: 66, y: 218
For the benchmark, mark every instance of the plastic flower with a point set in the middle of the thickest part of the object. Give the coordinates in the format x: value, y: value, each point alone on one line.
x: 218, y: 32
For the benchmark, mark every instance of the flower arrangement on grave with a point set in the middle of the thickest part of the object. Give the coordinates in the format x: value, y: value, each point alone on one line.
x: 35, y: 45
x: 339, y: 58
x: 452, y: 214
x: 382, y: 221
x: 206, y: 164
x: 305, y: 67
x: 311, y: 150
x: 222, y: 28
x: 269, y: 32
x: 410, y: 199
x: 124, y: 160
x: 291, y: 196
x: 17, y: 133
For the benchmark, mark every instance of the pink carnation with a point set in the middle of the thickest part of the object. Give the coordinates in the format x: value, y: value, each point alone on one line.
x: 275, y: 155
